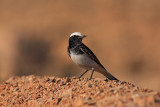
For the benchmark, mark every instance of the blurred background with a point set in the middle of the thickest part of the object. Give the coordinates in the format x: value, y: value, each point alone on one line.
x: 124, y: 35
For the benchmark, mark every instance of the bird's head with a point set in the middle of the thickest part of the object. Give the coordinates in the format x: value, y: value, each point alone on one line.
x: 77, y: 36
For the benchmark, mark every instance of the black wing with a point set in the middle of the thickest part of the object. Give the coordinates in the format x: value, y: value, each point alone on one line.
x: 68, y: 50
x: 90, y: 54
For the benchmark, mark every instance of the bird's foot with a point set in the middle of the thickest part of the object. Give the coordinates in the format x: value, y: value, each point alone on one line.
x: 90, y: 78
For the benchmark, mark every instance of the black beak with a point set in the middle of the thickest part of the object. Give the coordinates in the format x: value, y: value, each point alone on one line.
x: 84, y: 36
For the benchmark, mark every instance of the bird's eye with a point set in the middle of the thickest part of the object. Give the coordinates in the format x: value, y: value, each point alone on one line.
x: 75, y: 36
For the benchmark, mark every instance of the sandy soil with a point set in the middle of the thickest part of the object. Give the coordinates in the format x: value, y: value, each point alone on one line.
x: 50, y: 91
x: 124, y: 35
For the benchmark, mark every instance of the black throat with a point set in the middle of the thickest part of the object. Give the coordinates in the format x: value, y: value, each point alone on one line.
x: 74, y: 42
x: 74, y: 45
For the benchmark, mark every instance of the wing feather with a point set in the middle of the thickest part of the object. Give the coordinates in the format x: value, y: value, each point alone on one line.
x: 90, y: 54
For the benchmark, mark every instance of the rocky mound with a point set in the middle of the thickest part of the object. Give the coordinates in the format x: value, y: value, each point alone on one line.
x: 35, y: 91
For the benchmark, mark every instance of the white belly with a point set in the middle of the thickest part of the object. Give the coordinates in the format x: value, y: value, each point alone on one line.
x: 87, y: 63
x: 84, y: 61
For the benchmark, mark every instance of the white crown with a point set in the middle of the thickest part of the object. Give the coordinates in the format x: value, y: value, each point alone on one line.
x: 76, y: 33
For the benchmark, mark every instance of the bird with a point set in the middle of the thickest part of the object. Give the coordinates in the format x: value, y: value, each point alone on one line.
x: 84, y: 57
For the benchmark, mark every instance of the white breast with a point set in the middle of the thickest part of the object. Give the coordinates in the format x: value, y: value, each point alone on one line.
x: 83, y: 61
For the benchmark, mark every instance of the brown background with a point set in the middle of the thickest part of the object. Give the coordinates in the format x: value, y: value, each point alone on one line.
x: 124, y: 35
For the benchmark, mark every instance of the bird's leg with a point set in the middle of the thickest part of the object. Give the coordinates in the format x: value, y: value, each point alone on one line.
x: 83, y: 73
x: 91, y: 74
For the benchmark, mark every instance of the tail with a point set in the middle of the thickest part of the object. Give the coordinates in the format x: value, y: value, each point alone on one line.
x: 108, y: 75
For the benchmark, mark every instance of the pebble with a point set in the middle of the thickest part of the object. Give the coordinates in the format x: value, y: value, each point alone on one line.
x: 51, y: 91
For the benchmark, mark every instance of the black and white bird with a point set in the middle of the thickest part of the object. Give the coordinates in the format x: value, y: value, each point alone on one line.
x: 84, y: 57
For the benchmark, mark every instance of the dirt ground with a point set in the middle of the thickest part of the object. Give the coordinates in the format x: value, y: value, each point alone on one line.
x: 124, y: 35
x: 38, y: 91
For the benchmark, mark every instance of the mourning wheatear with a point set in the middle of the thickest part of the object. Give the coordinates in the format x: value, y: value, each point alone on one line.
x: 84, y: 57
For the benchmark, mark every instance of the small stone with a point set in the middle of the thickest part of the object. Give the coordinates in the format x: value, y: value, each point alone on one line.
x: 53, y: 80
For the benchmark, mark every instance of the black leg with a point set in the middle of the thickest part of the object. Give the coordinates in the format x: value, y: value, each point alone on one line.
x: 91, y: 74
x: 83, y: 73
